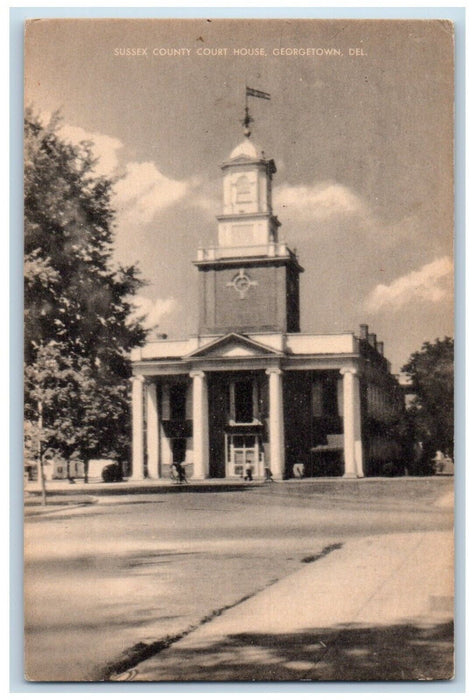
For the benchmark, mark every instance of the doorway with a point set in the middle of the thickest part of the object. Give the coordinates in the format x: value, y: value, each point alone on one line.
x: 178, y: 450
x: 242, y: 450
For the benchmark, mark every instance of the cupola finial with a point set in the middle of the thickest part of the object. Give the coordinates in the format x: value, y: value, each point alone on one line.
x: 250, y: 92
x: 247, y: 121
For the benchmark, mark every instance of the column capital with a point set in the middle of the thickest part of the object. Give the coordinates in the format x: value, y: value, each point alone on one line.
x: 273, y: 370
x: 197, y: 373
x: 137, y: 378
x: 350, y: 370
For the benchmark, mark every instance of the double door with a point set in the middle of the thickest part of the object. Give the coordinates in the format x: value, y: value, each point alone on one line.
x: 242, y: 453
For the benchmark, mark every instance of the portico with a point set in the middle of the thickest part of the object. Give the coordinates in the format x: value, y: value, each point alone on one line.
x: 222, y: 405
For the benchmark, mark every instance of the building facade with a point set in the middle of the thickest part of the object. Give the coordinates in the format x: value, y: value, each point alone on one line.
x: 250, y: 390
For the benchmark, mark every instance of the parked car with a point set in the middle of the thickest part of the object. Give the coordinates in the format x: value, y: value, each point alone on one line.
x: 112, y: 472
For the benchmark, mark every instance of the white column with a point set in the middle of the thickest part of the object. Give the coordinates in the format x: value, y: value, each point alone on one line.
x: 153, y: 467
x: 166, y: 455
x: 276, y: 422
x: 352, y: 423
x: 200, y: 426
x: 137, y: 427
x: 358, y: 443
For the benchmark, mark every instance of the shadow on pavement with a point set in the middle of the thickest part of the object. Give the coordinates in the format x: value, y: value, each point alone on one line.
x: 125, y: 488
x: 404, y: 652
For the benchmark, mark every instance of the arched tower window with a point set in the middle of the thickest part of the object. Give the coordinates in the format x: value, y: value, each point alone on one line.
x: 243, y: 189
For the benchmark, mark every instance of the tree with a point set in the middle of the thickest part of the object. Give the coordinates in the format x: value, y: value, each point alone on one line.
x: 78, y: 303
x: 72, y: 409
x: 51, y: 397
x: 103, y: 407
x: 74, y: 294
x: 431, y: 413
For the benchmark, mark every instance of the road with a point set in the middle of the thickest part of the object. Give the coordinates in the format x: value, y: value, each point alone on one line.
x: 132, y: 569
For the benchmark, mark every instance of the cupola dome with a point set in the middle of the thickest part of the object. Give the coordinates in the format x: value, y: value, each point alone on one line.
x: 246, y: 149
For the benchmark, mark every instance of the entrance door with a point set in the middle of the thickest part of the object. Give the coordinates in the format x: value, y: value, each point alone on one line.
x: 242, y: 450
x: 179, y: 449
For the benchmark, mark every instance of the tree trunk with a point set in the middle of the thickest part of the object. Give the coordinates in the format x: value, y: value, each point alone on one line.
x: 43, y: 482
x: 68, y: 471
x: 41, y: 471
x: 86, y: 471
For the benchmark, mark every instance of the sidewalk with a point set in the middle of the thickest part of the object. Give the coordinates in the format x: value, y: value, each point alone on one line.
x: 96, y: 487
x: 379, y: 608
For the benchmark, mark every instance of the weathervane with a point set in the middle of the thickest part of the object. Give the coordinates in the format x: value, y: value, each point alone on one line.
x: 250, y: 92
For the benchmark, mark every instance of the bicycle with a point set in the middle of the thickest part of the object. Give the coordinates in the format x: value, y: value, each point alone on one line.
x: 178, y: 474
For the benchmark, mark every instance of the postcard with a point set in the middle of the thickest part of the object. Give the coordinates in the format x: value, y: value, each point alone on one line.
x: 239, y: 321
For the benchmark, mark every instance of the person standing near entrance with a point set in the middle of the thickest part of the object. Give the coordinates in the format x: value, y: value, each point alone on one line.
x: 181, y: 473
x: 249, y: 470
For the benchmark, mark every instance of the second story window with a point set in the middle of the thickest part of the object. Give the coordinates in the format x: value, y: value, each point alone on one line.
x: 178, y: 402
x: 243, y: 400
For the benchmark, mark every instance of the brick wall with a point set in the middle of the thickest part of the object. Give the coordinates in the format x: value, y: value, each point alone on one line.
x: 265, y: 305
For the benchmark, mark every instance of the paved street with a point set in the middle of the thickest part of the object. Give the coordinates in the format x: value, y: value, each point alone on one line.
x: 130, y: 570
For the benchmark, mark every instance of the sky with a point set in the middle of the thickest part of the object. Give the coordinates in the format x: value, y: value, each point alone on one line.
x: 359, y: 125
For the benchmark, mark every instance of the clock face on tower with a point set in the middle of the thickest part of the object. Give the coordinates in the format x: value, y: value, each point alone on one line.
x: 242, y: 283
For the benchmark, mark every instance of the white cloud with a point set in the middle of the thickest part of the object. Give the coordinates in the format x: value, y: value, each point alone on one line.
x: 144, y: 190
x: 318, y: 202
x: 153, y: 309
x: 104, y: 147
x: 430, y: 283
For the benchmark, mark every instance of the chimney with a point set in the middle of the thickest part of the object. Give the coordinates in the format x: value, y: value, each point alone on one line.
x: 380, y: 347
x: 372, y: 340
x: 363, y: 331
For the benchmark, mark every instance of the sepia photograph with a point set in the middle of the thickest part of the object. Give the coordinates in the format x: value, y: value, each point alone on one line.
x: 238, y: 350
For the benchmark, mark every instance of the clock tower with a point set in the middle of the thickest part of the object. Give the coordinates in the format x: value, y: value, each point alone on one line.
x: 249, y: 282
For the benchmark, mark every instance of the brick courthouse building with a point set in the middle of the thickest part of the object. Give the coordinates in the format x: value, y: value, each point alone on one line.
x: 250, y: 387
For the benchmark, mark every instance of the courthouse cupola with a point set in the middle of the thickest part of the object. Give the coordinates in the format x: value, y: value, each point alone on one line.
x: 249, y: 281
x: 247, y: 218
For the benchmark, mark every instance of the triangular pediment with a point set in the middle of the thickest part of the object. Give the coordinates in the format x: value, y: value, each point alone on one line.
x: 234, y: 345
